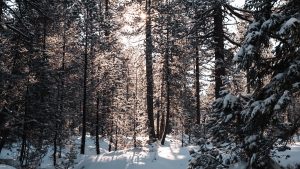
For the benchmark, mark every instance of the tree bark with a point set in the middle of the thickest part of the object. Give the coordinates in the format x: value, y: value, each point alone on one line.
x: 219, y: 49
x: 116, y: 138
x: 248, y: 81
x: 97, y: 127
x: 162, y: 119
x: 197, y: 87
x: 62, y: 93
x: 82, y: 148
x: 135, y: 109
x: 157, y: 122
x: 55, y: 147
x: 106, y: 16
x: 24, y: 133
x: 1, y: 10
x: 168, y: 89
x: 149, y: 77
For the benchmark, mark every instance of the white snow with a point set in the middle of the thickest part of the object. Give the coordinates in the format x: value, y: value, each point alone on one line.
x: 253, y: 158
x: 296, y: 85
x: 257, y: 106
x: 293, y: 155
x: 229, y: 100
x: 285, y: 97
x: 3, y: 166
x: 240, y: 165
x: 250, y: 139
x: 168, y: 156
x: 228, y: 117
x: 270, y: 99
x: 287, y: 25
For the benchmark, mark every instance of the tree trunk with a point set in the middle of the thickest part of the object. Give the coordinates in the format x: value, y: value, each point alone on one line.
x: 135, y: 109
x: 54, y: 147
x: 219, y: 49
x: 62, y: 93
x: 24, y: 133
x: 97, y: 127
x: 149, y: 77
x: 168, y: 89
x: 106, y: 16
x: 248, y: 81
x: 162, y: 120
x: 116, y: 138
x: 1, y: 11
x: 55, y: 139
x: 82, y: 148
x: 157, y: 123
x: 197, y: 87
x: 111, y: 137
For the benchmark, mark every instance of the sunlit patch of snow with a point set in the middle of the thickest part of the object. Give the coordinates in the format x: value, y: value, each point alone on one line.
x: 168, y: 156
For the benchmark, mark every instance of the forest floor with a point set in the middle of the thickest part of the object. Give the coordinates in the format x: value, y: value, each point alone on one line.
x: 169, y: 156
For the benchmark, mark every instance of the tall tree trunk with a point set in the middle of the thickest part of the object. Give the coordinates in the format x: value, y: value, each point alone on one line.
x: 62, y: 93
x: 219, y: 49
x: 149, y: 75
x: 58, y: 137
x: 82, y: 148
x: 160, y: 113
x: 168, y: 89
x: 197, y: 87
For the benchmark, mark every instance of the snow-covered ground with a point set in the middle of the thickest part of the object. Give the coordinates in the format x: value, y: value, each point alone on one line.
x: 168, y: 156
x: 290, y: 157
x: 2, y: 166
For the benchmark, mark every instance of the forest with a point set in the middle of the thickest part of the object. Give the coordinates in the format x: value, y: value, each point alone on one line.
x: 212, y: 84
